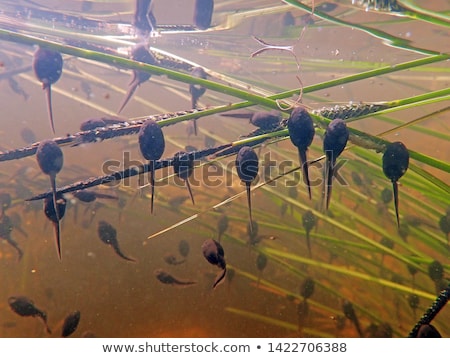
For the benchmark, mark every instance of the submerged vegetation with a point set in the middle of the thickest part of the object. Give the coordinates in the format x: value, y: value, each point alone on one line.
x: 365, y: 266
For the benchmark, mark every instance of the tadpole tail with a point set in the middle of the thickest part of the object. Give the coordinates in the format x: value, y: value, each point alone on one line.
x: 395, y: 188
x: 152, y: 183
x: 190, y: 191
x: 16, y: 246
x: 58, y: 238
x: 308, y: 243
x: 48, y: 94
x: 249, y: 203
x: 327, y: 181
x: 43, y: 316
x: 132, y: 88
x: 55, y: 204
x: 220, y: 277
x: 304, y: 164
x: 357, y: 326
x: 121, y: 254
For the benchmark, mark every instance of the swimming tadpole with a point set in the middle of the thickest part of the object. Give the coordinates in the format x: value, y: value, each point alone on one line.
x: 301, y: 132
x: 6, y: 227
x: 334, y: 142
x: 197, y: 91
x: 70, y: 323
x: 54, y: 211
x: 215, y: 255
x: 183, y: 166
x: 309, y: 220
x: 141, y: 54
x: 108, y: 235
x: 168, y: 279
x: 152, y: 145
x: 25, y: 307
x: 247, y: 169
x: 47, y: 66
x: 395, y: 165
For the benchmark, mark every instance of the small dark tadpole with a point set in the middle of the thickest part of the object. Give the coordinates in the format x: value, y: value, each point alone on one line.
x: 6, y: 227
x: 108, y: 234
x: 349, y: 312
x: 28, y: 136
x: 334, y: 142
x: 54, y: 211
x: 222, y: 226
x: 197, y: 91
x: 309, y: 220
x: 25, y: 307
x: 261, y: 263
x: 94, y: 123
x: 247, y: 169
x: 183, y: 166
x: 88, y: 196
x: 301, y: 132
x: 47, y: 66
x: 172, y: 260
x: 168, y: 279
x: 70, y: 323
x: 215, y: 255
x: 152, y: 145
x: 203, y: 12
x: 183, y: 248
x: 141, y: 54
x: 50, y: 159
x: 265, y: 120
x: 395, y: 165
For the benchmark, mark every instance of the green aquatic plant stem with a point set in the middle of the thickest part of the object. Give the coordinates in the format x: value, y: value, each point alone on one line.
x: 387, y: 38
x: 416, y: 12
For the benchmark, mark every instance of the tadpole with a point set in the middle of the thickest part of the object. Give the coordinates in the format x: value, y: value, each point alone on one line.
x: 47, y: 66
x: 183, y: 166
x: 215, y: 255
x: 152, y: 145
x: 301, y: 132
x: 309, y: 220
x: 395, y: 165
x: 247, y: 169
x: 108, y: 235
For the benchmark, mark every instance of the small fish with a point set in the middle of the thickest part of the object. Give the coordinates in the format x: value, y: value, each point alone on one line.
x: 25, y: 307
x: 54, y: 211
x: 47, y: 66
x: 70, y: 323
x: 141, y: 54
x: 168, y: 279
x: 334, y: 142
x: 183, y: 248
x: 50, y: 159
x: 309, y: 221
x: 152, y: 145
x: 172, y: 260
x: 395, y: 165
x: 203, y: 12
x: 183, y: 166
x: 247, y: 169
x: 301, y: 132
x: 108, y: 234
x: 215, y: 255
x: 88, y: 196
x: 6, y: 227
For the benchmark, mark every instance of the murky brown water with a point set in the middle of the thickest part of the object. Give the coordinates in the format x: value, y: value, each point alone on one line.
x: 118, y: 298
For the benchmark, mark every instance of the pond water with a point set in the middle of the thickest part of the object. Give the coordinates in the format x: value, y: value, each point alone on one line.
x: 358, y: 255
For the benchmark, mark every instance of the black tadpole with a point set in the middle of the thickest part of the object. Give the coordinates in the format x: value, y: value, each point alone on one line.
x: 247, y: 169
x: 301, y: 131
x: 70, y: 323
x: 54, y: 211
x: 349, y: 312
x: 108, y: 235
x: 152, y: 145
x: 197, y: 91
x: 334, y: 142
x: 395, y: 165
x: 309, y: 221
x: 183, y: 165
x: 25, y: 307
x: 47, y: 66
x: 50, y: 159
x: 141, y: 54
x: 215, y: 255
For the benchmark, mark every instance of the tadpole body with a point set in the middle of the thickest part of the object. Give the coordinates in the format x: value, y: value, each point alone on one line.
x: 215, y: 255
x: 47, y: 66
x: 183, y: 166
x: 25, y: 307
x: 197, y: 91
x: 108, y: 235
x: 395, y: 165
x: 70, y: 323
x: 309, y: 220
